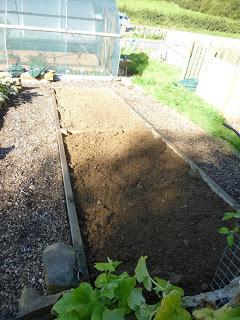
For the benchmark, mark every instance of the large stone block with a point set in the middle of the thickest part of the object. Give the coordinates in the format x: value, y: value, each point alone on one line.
x: 60, y: 268
x: 35, y: 307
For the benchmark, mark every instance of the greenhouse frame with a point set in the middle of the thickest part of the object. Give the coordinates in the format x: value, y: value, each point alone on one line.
x: 75, y: 37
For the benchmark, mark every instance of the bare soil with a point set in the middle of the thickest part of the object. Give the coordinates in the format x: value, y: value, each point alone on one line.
x: 135, y: 196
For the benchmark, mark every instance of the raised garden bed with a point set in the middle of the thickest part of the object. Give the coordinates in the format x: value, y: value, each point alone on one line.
x: 134, y: 195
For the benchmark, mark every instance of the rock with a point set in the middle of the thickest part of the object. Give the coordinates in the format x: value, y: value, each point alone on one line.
x: 60, y: 268
x: 28, y: 296
x: 49, y: 76
x: 26, y: 76
x: 35, y: 307
x: 5, y: 75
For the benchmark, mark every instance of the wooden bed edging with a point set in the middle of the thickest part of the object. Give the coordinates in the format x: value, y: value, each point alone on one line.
x: 71, y: 209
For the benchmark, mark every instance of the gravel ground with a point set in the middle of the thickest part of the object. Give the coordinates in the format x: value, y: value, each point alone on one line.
x: 32, y: 208
x: 213, y: 156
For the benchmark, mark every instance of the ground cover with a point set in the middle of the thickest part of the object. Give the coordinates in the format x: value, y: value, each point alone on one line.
x: 160, y: 80
x: 165, y: 14
x: 134, y: 195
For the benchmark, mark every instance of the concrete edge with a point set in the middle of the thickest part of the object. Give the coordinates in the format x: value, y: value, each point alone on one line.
x: 212, y: 184
x: 71, y: 209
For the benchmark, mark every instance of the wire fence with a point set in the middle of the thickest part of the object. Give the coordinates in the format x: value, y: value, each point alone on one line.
x: 229, y: 266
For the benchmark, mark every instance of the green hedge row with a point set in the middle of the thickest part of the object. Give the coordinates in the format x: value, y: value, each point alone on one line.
x: 196, y: 21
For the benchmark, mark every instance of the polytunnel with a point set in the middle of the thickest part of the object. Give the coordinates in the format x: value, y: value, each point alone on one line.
x: 76, y: 37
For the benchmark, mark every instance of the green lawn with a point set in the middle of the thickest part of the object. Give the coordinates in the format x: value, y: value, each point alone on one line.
x: 160, y: 80
x: 170, y: 15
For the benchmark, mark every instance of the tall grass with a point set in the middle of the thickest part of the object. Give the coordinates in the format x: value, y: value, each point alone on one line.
x: 161, y: 81
x: 161, y: 13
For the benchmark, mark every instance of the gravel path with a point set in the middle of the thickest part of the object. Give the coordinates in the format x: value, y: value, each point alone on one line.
x: 212, y: 156
x: 32, y: 207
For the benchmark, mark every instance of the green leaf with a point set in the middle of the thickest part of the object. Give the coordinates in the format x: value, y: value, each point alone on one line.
x: 98, y: 312
x: 107, y: 266
x: 203, y: 314
x: 224, y: 230
x: 108, y: 291
x: 224, y: 313
x: 230, y: 239
x: 78, y: 304
x: 163, y: 284
x: 145, y: 311
x: 135, y: 299
x: 125, y: 287
x: 142, y: 274
x: 171, y: 308
x: 116, y: 314
x: 236, y: 229
x: 166, y: 287
x: 230, y: 215
x: 60, y: 306
x: 101, y: 281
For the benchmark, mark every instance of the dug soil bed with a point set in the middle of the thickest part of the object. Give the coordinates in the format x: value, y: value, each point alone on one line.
x: 135, y: 196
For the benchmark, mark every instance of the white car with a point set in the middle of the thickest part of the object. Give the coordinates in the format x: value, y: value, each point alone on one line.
x: 125, y: 24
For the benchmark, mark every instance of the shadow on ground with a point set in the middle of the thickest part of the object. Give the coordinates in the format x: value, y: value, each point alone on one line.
x: 15, y: 102
x: 137, y: 197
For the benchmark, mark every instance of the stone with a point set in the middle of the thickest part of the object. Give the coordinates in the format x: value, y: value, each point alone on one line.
x: 28, y: 296
x: 26, y: 76
x: 60, y: 268
x: 35, y: 307
x: 49, y: 76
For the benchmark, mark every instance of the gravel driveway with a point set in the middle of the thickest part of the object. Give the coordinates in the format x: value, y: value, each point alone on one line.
x: 32, y: 207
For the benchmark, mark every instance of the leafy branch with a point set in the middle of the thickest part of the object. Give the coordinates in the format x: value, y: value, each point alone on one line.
x: 120, y: 296
x: 230, y: 233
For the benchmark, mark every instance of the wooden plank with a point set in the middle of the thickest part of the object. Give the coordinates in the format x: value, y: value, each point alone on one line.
x: 71, y: 209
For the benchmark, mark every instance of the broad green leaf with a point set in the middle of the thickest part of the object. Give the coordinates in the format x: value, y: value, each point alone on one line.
x: 116, y: 314
x: 145, y: 311
x: 101, y: 281
x: 60, y: 306
x: 224, y: 230
x: 230, y: 239
x: 135, y: 299
x: 98, y: 312
x: 171, y: 308
x: 142, y: 274
x: 107, y: 266
x: 108, y: 291
x: 78, y: 304
x: 203, y: 314
x: 166, y: 287
x: 163, y: 284
x: 230, y: 215
x: 224, y: 313
x: 83, y: 300
x: 236, y: 229
x: 124, y: 289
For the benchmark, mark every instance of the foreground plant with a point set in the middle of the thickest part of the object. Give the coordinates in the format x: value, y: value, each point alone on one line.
x: 230, y: 233
x: 121, y: 296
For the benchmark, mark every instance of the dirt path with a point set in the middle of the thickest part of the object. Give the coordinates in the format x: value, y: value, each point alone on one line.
x: 135, y: 196
x: 32, y: 206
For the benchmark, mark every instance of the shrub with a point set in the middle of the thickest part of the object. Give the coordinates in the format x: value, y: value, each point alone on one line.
x: 137, y: 63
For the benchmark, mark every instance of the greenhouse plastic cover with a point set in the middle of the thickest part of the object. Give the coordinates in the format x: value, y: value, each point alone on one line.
x: 71, y: 36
